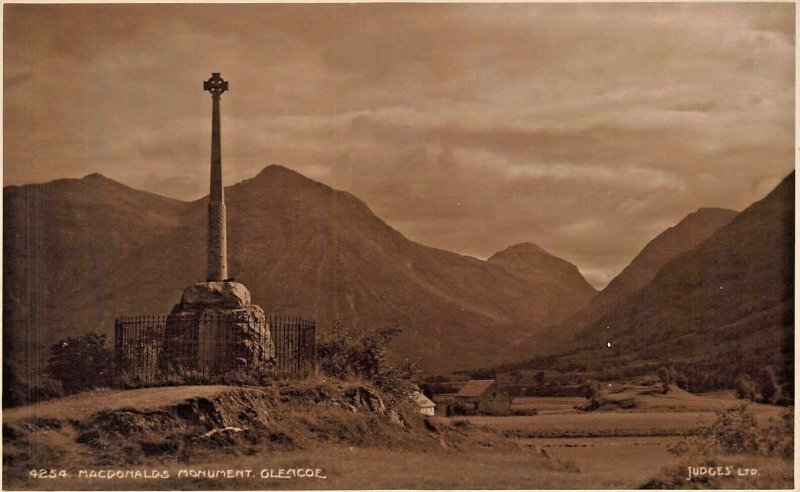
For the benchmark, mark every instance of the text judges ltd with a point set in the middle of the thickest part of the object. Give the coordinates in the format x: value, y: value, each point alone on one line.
x: 720, y: 471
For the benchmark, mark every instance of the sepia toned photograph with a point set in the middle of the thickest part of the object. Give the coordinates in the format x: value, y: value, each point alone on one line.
x: 417, y: 246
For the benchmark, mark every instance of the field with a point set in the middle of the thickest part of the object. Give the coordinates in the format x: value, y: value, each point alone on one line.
x: 626, y: 447
x: 358, y: 447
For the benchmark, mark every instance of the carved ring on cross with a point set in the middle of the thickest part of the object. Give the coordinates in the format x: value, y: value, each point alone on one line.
x: 215, y: 85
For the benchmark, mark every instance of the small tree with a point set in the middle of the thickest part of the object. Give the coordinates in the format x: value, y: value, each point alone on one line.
x: 768, y: 386
x: 667, y: 376
x: 594, y: 394
x: 514, y: 376
x: 81, y: 363
x: 745, y: 387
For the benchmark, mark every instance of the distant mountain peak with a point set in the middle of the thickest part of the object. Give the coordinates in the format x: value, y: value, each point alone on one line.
x: 285, y: 178
x: 91, y: 181
x: 533, y: 264
x: 525, y: 248
x: 279, y: 172
x: 102, y: 180
x: 96, y: 176
x: 277, y: 169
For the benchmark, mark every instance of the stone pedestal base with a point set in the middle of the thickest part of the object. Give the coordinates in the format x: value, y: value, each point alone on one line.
x: 203, y: 296
x: 214, y: 330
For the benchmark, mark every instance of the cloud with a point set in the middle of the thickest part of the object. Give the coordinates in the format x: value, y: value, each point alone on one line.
x: 585, y: 128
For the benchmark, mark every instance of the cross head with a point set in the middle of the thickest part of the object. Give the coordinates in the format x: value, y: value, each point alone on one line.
x: 215, y: 85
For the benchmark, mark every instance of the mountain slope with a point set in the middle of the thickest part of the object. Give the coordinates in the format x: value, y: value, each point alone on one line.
x: 682, y: 237
x: 61, y: 237
x: 74, y: 229
x: 727, y: 303
x: 301, y: 247
x: 561, y: 283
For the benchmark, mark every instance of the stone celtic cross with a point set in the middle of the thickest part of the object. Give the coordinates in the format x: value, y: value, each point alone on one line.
x: 215, y: 85
x: 217, y: 233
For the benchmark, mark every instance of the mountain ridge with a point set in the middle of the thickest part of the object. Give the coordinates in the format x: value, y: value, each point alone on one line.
x: 722, y: 308
x: 561, y: 279
x: 300, y: 246
x: 673, y: 241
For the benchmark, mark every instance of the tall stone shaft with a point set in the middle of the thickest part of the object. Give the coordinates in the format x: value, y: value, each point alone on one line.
x: 217, y: 229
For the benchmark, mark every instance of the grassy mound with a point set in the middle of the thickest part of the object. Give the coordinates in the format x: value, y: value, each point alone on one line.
x: 203, y: 423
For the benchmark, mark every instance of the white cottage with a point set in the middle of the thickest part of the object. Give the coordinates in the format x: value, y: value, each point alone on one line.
x: 426, y: 406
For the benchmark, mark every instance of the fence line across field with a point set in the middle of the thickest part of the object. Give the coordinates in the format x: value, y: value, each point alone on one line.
x: 140, y: 341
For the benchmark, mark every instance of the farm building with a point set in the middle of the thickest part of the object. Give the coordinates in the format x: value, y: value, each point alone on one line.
x: 426, y: 406
x: 442, y: 401
x: 483, y: 396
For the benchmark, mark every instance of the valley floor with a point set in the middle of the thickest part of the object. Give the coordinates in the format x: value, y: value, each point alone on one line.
x: 560, y: 448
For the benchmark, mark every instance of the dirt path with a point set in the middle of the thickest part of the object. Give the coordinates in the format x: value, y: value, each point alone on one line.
x: 84, y: 404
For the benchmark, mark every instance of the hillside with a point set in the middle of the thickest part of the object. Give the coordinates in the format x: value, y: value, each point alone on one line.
x: 60, y: 238
x: 685, y: 235
x: 560, y: 281
x: 302, y: 248
x: 727, y: 304
x: 61, y: 235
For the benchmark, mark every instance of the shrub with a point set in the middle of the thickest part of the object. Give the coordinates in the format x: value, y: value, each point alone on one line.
x: 777, y: 439
x: 667, y: 376
x: 745, y: 387
x: 594, y: 394
x: 24, y: 386
x: 344, y: 354
x: 736, y: 431
x: 80, y: 363
x: 768, y: 386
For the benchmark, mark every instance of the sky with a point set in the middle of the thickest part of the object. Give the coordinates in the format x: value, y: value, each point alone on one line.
x: 584, y: 128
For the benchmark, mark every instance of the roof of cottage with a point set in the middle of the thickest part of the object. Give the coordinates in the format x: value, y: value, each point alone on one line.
x: 475, y: 387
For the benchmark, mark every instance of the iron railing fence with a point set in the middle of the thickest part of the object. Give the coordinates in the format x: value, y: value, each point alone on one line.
x: 138, y: 345
x: 294, y: 339
x: 152, y: 349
